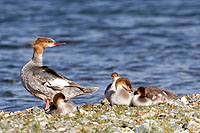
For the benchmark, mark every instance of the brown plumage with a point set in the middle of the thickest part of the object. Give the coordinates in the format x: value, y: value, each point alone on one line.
x: 125, y: 82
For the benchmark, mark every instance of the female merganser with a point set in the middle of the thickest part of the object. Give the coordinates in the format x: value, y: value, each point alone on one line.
x: 120, y: 91
x: 63, y: 106
x: 44, y: 82
x: 151, y: 95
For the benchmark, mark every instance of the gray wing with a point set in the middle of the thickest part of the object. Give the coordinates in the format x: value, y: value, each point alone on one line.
x: 71, y: 91
x: 45, y: 74
x: 152, y: 90
x: 56, y: 81
x: 51, y: 78
x: 108, y: 87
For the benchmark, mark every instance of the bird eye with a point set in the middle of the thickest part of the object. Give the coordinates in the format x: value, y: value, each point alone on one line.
x: 49, y: 41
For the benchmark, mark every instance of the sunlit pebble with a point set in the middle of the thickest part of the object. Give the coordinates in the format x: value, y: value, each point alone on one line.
x: 184, y: 100
x: 71, y: 115
x: 128, y: 113
x: 197, y: 95
x: 95, y: 123
x: 192, y: 125
x: 83, y: 111
x: 17, y: 112
x: 6, y: 115
x: 197, y: 119
x: 61, y: 129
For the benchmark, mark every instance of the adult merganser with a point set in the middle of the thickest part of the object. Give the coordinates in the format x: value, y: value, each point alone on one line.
x: 63, y: 106
x: 151, y: 95
x: 44, y: 82
x: 120, y: 91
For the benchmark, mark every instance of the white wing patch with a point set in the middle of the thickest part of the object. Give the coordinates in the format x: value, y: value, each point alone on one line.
x: 154, y: 97
x: 57, y: 82
x: 165, y: 93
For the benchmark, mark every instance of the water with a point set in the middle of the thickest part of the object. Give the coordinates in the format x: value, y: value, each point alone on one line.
x: 150, y: 42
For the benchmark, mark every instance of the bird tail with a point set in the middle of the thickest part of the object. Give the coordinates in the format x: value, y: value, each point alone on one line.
x: 172, y: 95
x: 90, y: 90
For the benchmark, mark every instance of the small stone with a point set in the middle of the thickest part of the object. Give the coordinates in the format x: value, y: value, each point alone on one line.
x: 56, y: 126
x: 88, y: 105
x: 95, y: 123
x: 35, y: 109
x: 140, y: 129
x: 6, y: 115
x: 61, y: 129
x: 192, y: 125
x: 71, y: 115
x: 197, y: 95
x: 128, y: 113
x: 83, y: 111
x: 185, y: 125
x: 197, y: 119
x: 184, y: 100
x: 104, y: 101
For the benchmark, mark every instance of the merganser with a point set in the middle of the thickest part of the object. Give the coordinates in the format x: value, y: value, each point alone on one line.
x: 152, y: 95
x: 120, y: 91
x: 63, y: 106
x: 44, y: 82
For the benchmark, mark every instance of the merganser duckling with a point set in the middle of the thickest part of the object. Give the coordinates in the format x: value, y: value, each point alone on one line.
x: 120, y: 91
x: 44, y: 82
x: 63, y: 106
x: 151, y: 95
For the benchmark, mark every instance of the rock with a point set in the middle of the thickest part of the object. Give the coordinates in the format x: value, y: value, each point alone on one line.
x: 61, y: 129
x: 184, y: 100
x: 185, y: 126
x: 105, y: 101
x: 35, y: 109
x: 71, y: 114
x: 6, y: 115
x: 83, y: 111
x: 192, y: 126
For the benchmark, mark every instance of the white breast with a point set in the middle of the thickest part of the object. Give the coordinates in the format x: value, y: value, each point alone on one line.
x: 113, y: 86
x: 136, y: 102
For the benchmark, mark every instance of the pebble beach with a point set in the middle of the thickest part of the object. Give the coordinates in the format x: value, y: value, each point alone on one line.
x: 183, y: 116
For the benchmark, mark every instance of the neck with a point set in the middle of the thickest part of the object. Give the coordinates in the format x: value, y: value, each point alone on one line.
x: 115, y: 79
x: 37, y: 56
x: 142, y: 96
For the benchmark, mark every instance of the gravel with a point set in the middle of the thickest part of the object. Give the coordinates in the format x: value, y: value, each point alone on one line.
x: 182, y: 116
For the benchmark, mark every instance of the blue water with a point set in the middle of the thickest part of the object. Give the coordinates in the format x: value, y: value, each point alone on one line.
x: 150, y: 42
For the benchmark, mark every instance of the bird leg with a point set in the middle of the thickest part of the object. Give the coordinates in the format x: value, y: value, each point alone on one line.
x: 47, y: 104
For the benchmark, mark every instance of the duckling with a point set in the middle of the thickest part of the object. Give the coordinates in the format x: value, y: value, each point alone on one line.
x: 63, y: 106
x: 151, y: 95
x: 120, y: 91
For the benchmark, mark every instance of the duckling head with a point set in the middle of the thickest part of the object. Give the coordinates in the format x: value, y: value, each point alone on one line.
x: 114, y: 76
x: 141, y: 91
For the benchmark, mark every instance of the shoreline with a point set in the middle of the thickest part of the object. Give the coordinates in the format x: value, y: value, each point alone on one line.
x: 182, y: 116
